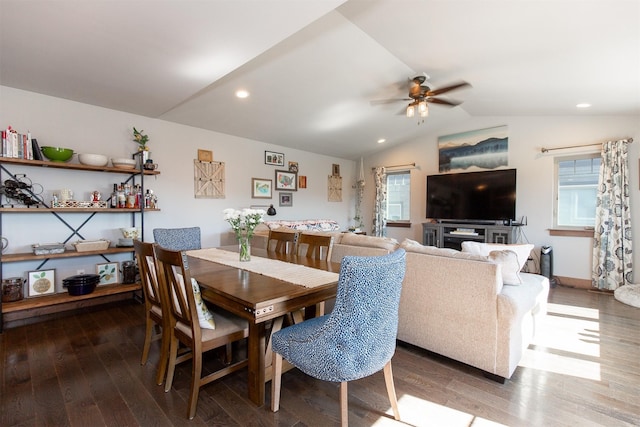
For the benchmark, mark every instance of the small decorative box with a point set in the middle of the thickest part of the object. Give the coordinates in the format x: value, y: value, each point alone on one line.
x: 48, y: 248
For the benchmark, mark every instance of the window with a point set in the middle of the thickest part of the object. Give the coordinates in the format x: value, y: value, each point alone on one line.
x: 576, y: 190
x: 398, y: 196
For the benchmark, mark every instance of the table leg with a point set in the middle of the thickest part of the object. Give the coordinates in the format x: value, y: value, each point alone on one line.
x: 256, y: 355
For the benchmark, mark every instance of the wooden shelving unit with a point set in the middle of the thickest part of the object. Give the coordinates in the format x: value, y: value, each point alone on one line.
x: 42, y: 305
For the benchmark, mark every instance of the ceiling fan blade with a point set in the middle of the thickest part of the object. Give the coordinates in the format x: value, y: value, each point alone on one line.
x: 388, y: 101
x: 443, y: 102
x: 447, y: 89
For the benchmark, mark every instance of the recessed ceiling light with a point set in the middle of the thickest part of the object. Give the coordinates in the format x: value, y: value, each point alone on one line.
x: 583, y: 105
x: 242, y: 93
x: 381, y: 140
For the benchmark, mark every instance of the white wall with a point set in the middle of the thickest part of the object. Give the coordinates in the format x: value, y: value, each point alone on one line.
x: 572, y: 255
x: 89, y: 129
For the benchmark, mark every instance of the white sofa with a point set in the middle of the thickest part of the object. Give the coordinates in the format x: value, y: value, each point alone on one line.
x: 457, y: 304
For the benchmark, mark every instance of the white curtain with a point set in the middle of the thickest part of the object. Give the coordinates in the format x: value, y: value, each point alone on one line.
x: 380, y: 205
x: 612, y: 248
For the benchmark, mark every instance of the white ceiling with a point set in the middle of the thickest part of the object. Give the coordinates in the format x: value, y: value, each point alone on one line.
x: 312, y: 67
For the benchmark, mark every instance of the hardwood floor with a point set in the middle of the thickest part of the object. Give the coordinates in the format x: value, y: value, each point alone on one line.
x: 84, y: 370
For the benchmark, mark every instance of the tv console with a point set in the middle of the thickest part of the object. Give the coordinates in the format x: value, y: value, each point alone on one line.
x: 451, y: 235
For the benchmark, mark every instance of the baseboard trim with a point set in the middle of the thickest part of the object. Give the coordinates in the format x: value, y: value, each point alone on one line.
x: 572, y: 282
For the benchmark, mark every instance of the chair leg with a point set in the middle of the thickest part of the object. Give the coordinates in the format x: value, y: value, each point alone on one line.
x: 344, y: 404
x: 276, y: 376
x: 164, y: 356
x: 147, y: 340
x: 173, y: 353
x: 196, y: 374
x: 391, y: 390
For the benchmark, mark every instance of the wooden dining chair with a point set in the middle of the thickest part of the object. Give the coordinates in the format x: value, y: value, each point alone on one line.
x: 156, y: 307
x: 315, y: 245
x: 183, y: 294
x: 283, y: 242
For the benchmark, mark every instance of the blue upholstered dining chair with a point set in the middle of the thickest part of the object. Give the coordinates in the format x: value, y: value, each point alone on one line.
x: 357, y: 339
x: 178, y: 239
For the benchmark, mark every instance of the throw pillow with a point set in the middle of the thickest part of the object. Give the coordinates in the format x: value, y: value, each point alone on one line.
x: 370, y: 241
x: 522, y: 250
x: 205, y: 318
x: 510, y: 267
x: 413, y: 246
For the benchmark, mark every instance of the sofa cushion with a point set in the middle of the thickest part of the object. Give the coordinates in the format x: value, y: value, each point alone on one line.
x: 510, y: 267
x: 413, y: 246
x: 522, y: 250
x: 370, y: 241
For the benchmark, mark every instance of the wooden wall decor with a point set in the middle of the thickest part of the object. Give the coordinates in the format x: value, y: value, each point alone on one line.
x: 334, y: 188
x: 208, y: 180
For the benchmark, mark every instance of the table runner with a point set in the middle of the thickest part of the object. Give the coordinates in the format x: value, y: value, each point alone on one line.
x: 281, y: 270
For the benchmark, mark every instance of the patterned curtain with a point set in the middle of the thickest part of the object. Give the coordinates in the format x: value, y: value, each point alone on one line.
x: 380, y: 205
x: 612, y: 249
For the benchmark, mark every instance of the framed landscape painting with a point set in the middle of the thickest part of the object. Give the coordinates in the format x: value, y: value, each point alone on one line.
x: 261, y: 188
x: 474, y: 150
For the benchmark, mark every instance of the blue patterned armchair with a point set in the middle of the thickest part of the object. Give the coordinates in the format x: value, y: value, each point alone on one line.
x: 357, y: 339
x: 178, y: 239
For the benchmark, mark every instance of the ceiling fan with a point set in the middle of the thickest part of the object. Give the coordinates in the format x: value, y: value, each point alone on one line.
x: 421, y: 94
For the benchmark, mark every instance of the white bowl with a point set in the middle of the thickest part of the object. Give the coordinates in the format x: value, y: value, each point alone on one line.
x: 93, y: 159
x: 124, y: 163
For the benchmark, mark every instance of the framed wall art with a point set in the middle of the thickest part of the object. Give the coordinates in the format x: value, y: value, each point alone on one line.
x: 273, y: 158
x: 302, y: 181
x: 286, y: 180
x: 286, y: 199
x: 474, y: 150
x: 293, y: 167
x: 108, y: 272
x: 41, y: 282
x: 261, y: 188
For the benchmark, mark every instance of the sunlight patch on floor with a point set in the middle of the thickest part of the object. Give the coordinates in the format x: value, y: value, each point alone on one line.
x: 568, y: 345
x: 419, y: 412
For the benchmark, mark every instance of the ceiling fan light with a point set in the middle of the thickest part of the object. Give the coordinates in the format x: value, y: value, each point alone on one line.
x: 411, y: 111
x: 423, y: 109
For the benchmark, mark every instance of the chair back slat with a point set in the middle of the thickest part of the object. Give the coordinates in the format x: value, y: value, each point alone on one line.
x: 174, y: 274
x: 145, y: 257
x: 283, y: 242
x: 314, y: 245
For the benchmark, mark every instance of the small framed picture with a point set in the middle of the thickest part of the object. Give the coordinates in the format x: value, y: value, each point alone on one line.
x: 302, y: 181
x: 108, y: 273
x: 273, y: 158
x: 335, y: 169
x: 293, y: 167
x: 286, y: 199
x: 42, y: 282
x: 286, y: 180
x: 261, y: 188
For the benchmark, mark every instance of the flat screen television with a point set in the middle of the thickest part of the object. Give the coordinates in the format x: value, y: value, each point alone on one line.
x: 480, y: 197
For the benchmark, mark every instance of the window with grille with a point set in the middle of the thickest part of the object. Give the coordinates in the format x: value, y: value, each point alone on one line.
x: 576, y: 186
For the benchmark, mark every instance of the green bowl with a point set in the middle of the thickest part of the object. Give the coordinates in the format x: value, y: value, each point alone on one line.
x: 56, y: 154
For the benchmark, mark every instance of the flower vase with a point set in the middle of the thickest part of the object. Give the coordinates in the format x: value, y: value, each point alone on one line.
x: 244, y: 246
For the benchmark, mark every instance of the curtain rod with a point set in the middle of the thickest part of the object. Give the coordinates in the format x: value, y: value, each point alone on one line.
x: 545, y: 150
x: 398, y: 166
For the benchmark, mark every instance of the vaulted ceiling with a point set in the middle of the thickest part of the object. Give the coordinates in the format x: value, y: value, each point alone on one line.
x: 312, y: 67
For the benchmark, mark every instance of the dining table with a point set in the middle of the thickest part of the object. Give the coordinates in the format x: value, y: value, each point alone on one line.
x: 264, y: 291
